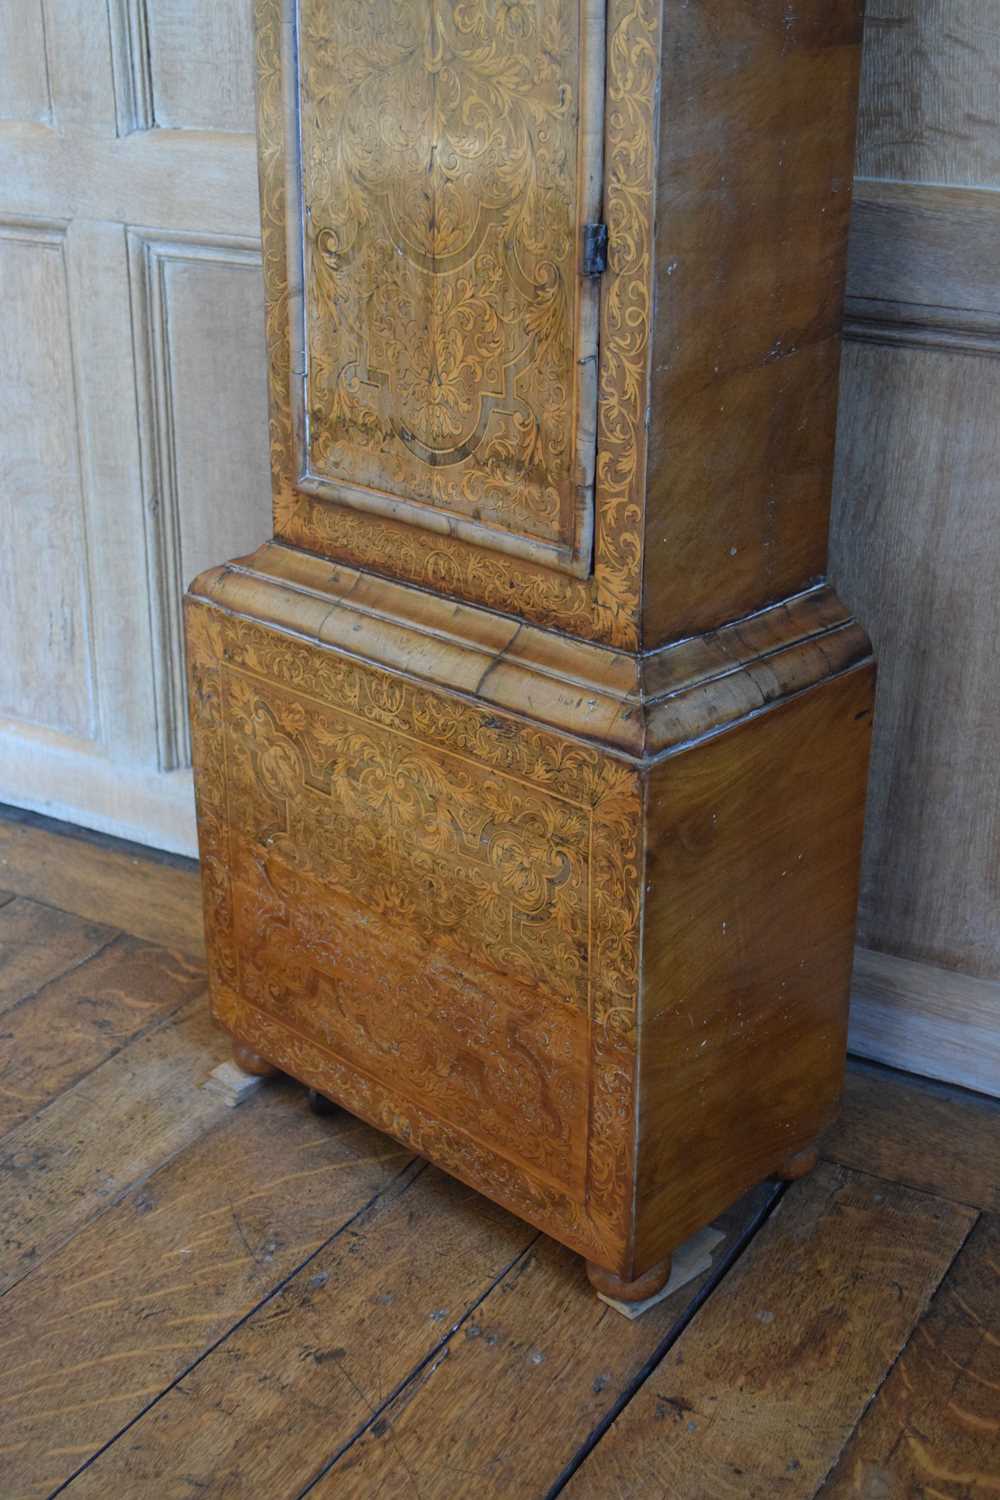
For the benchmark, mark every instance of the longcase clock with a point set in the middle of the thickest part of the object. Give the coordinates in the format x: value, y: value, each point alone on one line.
x: 531, y: 750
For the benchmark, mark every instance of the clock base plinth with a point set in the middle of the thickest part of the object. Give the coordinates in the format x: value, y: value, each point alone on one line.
x: 575, y: 926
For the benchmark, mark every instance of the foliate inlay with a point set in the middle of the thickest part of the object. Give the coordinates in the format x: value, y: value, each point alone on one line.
x: 605, y: 606
x: 355, y: 826
x: 442, y: 166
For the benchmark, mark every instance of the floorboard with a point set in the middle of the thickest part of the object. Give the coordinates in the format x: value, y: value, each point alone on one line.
x: 764, y: 1388
x: 104, y: 882
x: 135, y: 1299
x: 55, y: 1037
x: 75, y: 1157
x: 323, y: 1356
x: 934, y: 1427
x: 507, y: 1405
x: 931, y: 1136
x: 39, y: 944
x: 252, y: 1301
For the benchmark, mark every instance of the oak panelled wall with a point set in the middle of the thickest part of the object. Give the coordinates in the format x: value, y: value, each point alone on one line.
x: 132, y: 387
x: 915, y: 541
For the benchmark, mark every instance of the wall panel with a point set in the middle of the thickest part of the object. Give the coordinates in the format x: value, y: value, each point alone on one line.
x: 24, y: 81
x: 200, y: 60
x: 203, y: 418
x: 917, y: 553
x: 45, y: 666
x: 929, y: 91
x: 915, y: 547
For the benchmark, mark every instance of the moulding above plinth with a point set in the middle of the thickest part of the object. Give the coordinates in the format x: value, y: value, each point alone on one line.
x: 642, y: 706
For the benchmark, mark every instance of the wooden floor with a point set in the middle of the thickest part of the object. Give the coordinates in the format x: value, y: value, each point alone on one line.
x: 201, y: 1300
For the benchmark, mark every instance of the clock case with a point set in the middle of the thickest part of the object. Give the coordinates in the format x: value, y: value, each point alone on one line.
x: 530, y: 753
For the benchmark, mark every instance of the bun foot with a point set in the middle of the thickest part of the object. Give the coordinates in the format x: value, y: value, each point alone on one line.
x: 643, y: 1287
x: 320, y: 1104
x: 251, y: 1062
x: 799, y: 1165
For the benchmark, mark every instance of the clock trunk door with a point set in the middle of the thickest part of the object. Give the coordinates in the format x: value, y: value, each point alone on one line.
x: 449, y: 155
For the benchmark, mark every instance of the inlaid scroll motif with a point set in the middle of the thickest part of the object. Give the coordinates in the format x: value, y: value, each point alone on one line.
x: 441, y: 166
x: 422, y: 838
x: 492, y: 877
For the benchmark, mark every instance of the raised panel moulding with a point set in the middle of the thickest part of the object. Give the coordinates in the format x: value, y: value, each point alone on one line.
x: 150, y: 253
x: 130, y: 60
x: 49, y: 676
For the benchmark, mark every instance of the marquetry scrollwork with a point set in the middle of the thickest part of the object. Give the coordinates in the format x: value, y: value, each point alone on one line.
x: 439, y: 176
x: 430, y: 909
x: 417, y: 836
x: 606, y: 605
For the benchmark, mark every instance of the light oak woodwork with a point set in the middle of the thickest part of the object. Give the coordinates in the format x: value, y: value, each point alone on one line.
x: 930, y: 844
x: 45, y: 674
x: 939, y: 1022
x: 197, y: 61
x: 129, y: 123
x: 530, y: 785
x: 913, y: 541
x: 928, y: 98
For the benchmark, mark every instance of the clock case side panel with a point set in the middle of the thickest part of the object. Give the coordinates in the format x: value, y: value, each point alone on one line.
x: 755, y: 171
x: 605, y: 606
x: 753, y: 847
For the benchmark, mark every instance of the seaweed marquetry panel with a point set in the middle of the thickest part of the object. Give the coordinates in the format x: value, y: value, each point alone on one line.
x: 450, y: 150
